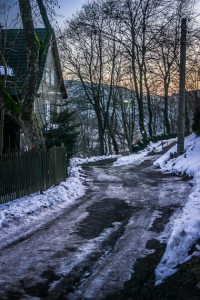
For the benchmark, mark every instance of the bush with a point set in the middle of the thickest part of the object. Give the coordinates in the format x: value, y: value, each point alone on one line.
x: 140, y: 145
x: 61, y: 130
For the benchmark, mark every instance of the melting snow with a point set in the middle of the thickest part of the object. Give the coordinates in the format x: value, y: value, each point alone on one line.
x: 186, y: 229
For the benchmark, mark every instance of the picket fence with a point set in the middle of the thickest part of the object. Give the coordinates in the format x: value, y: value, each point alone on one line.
x: 29, y: 172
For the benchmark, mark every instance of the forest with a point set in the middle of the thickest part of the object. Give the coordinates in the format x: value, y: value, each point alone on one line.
x: 121, y: 60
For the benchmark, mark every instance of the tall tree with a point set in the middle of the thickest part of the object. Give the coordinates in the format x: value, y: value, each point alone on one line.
x: 149, y: 28
x: 143, y: 36
x: 165, y: 53
x: 133, y: 18
x: 28, y: 122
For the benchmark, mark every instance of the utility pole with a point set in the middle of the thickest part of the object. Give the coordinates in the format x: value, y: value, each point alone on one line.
x: 1, y: 121
x: 129, y: 116
x: 1, y: 104
x: 181, y: 112
x: 129, y: 127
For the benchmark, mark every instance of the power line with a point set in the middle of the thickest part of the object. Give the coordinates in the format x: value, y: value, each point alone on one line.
x: 193, y: 17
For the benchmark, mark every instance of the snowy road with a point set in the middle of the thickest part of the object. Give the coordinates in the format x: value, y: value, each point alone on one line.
x: 90, y: 250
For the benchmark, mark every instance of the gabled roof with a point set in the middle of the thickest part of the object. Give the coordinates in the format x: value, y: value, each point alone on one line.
x: 13, y: 47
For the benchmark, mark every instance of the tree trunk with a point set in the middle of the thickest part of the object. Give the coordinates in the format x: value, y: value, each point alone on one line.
x: 101, y: 133
x: 2, y: 100
x: 166, y: 113
x: 29, y: 123
x: 138, y: 91
x: 149, y: 103
x: 187, y: 120
x: 101, y: 141
x: 1, y: 123
x: 166, y: 118
x: 114, y: 144
x: 33, y: 135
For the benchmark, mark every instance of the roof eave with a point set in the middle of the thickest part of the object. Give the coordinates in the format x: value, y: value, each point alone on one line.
x: 58, y: 66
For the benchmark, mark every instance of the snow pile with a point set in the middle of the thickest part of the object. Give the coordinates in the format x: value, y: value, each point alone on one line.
x: 140, y: 156
x: 79, y: 161
x: 186, y: 229
x: 133, y: 158
x: 188, y: 163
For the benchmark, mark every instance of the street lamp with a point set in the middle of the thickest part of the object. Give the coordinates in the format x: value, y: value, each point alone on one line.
x: 129, y: 116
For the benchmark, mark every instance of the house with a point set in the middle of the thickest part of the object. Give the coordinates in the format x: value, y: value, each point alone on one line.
x: 50, y: 90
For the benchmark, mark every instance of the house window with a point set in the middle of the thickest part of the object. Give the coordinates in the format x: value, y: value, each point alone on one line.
x: 52, y: 77
x: 49, y: 76
x: 47, y: 110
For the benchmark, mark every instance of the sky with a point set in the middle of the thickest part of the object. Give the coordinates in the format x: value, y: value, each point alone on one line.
x: 185, y: 229
x: 69, y: 7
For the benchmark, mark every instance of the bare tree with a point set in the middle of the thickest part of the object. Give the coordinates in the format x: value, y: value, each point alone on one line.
x: 129, y: 43
x: 133, y: 18
x: 93, y: 59
x: 149, y: 32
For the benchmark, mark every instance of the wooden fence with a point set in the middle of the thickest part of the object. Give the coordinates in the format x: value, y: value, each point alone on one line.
x: 25, y: 173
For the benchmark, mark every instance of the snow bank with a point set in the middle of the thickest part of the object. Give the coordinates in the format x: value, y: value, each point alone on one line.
x: 57, y: 196
x: 188, y: 163
x: 186, y: 229
x: 139, y: 157
x: 80, y: 161
x: 24, y: 210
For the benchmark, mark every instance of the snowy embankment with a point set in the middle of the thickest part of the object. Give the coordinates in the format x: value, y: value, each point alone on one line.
x: 186, y: 229
x: 79, y: 161
x: 140, y: 156
x: 23, y: 216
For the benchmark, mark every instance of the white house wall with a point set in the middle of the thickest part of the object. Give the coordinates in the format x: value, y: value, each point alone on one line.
x: 49, y: 93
